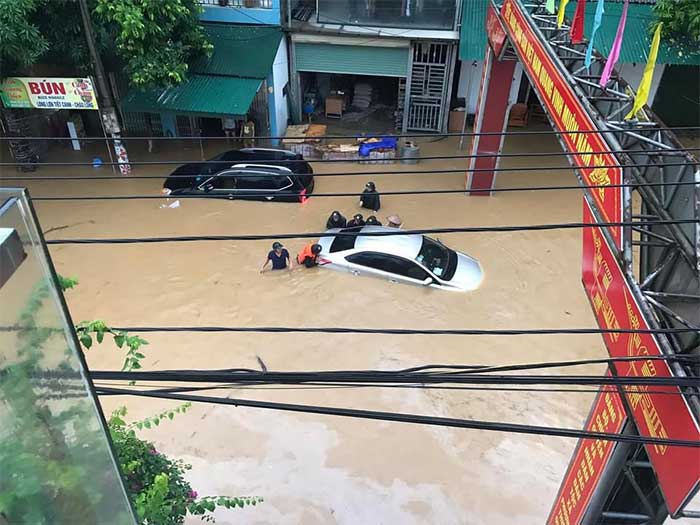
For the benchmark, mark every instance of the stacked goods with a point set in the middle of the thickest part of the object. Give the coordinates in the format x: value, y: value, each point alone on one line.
x: 362, y: 98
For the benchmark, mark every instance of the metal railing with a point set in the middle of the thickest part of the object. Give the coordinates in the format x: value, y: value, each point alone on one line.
x: 262, y: 4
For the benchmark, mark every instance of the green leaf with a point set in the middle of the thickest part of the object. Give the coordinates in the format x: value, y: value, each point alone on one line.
x: 86, y: 340
x: 147, y: 424
x: 119, y: 340
x: 100, y: 336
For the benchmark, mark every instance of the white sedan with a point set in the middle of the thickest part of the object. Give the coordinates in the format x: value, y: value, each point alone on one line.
x: 412, y: 258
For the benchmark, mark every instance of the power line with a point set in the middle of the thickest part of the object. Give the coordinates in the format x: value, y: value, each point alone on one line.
x: 360, y: 160
x: 384, y: 233
x: 631, y: 127
x: 403, y: 331
x: 358, y: 194
x: 331, y: 386
x: 410, y: 418
x: 388, y: 377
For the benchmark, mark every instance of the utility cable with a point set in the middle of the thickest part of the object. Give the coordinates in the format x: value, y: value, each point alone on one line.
x: 358, y: 194
x: 382, y: 233
x: 388, y: 377
x: 360, y: 160
x: 412, y: 418
x: 631, y: 127
x: 331, y: 386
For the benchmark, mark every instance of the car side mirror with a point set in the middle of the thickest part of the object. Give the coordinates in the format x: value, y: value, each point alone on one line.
x: 428, y: 281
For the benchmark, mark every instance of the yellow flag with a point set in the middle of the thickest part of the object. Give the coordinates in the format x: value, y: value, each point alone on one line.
x: 645, y: 84
x: 561, y: 12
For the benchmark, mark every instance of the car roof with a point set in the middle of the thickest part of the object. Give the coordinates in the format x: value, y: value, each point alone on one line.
x: 406, y: 246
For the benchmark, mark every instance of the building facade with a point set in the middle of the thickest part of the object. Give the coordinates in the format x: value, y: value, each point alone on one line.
x: 395, y: 58
x: 243, y: 81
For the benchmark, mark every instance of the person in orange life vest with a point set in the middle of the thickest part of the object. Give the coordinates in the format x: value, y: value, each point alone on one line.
x: 309, y: 255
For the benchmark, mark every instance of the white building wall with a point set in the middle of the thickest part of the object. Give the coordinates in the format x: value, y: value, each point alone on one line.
x: 468, y: 85
x: 280, y: 78
x: 632, y: 73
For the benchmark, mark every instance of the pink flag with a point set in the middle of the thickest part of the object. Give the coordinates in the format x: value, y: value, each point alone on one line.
x: 615, y: 51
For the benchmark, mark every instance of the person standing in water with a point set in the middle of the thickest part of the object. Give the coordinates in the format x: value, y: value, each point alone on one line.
x: 279, y: 257
x: 309, y: 255
x: 370, y: 197
x: 336, y: 220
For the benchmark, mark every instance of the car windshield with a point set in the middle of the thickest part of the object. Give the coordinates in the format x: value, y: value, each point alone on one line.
x: 345, y: 242
x: 437, y: 258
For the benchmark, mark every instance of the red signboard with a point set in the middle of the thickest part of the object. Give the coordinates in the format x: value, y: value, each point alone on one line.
x: 495, y: 31
x: 659, y: 415
x: 589, y: 460
x: 568, y: 114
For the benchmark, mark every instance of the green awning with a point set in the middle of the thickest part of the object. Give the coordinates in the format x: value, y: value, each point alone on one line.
x: 635, y: 46
x: 239, y: 50
x: 224, y: 83
x: 200, y: 94
x: 472, y: 35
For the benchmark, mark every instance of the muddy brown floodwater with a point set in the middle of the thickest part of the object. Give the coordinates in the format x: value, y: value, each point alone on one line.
x: 317, y: 469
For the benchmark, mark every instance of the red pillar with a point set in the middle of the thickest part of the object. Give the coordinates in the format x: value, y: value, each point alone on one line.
x: 491, y: 116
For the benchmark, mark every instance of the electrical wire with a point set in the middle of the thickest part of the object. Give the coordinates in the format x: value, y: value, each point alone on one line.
x: 665, y: 152
x: 330, y: 386
x: 388, y: 377
x: 411, y: 418
x: 383, y: 233
x: 359, y: 194
x: 358, y: 160
x: 631, y: 127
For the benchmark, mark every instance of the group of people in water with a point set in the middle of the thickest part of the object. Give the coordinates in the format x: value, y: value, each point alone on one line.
x: 370, y: 199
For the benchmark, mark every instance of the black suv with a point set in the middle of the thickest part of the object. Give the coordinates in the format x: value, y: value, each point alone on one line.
x: 250, y: 173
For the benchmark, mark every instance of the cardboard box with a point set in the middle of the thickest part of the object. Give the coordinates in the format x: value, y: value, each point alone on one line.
x: 456, y: 121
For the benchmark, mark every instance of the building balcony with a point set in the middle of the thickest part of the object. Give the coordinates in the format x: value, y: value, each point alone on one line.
x: 252, y: 4
x: 406, y: 14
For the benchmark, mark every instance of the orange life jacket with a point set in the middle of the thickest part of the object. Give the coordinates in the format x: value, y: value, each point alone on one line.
x: 306, y: 252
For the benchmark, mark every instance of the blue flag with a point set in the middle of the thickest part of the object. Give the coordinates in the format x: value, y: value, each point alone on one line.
x: 599, y: 10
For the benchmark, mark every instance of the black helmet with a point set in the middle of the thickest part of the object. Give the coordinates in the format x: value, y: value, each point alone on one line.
x: 335, y: 214
x: 372, y: 220
x: 276, y: 245
x: 370, y: 186
x: 357, y: 217
x: 316, y: 248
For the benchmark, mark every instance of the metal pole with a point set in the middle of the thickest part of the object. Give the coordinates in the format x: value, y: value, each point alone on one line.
x: 109, y: 114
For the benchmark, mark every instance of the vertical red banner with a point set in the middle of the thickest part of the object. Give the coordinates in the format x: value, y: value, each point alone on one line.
x: 663, y: 413
x: 589, y: 460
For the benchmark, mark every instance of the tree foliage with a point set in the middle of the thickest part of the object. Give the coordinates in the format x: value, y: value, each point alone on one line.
x: 21, y: 42
x: 150, y: 41
x: 681, y: 18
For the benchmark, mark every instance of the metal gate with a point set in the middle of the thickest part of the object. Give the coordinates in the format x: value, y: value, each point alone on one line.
x: 429, y: 85
x: 259, y: 111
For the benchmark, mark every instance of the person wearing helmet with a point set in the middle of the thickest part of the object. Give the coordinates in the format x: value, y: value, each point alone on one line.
x: 309, y: 255
x: 336, y: 220
x: 357, y: 220
x: 279, y: 257
x: 370, y: 197
x: 373, y: 221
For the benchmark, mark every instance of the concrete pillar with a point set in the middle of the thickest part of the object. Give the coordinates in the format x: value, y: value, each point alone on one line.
x: 491, y: 116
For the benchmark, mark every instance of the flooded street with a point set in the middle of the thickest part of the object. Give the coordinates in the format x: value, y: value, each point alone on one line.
x: 319, y: 469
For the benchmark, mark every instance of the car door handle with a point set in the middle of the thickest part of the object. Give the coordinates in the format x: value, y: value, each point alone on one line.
x: 355, y: 272
x: 393, y: 281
